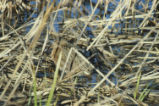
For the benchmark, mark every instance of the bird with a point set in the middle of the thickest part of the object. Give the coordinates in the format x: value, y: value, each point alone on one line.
x: 76, y: 66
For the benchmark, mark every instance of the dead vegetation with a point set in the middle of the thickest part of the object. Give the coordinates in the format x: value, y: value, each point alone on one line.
x: 108, y: 51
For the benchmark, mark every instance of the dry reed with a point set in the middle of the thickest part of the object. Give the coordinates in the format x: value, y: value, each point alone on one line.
x: 110, y: 52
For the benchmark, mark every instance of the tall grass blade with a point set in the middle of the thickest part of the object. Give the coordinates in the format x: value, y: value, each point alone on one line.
x: 35, y: 89
x: 137, y: 86
x: 54, y: 81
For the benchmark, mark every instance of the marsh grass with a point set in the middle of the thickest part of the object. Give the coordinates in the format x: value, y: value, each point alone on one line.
x: 109, y: 52
x: 35, y: 90
x: 137, y: 86
x: 51, y: 94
